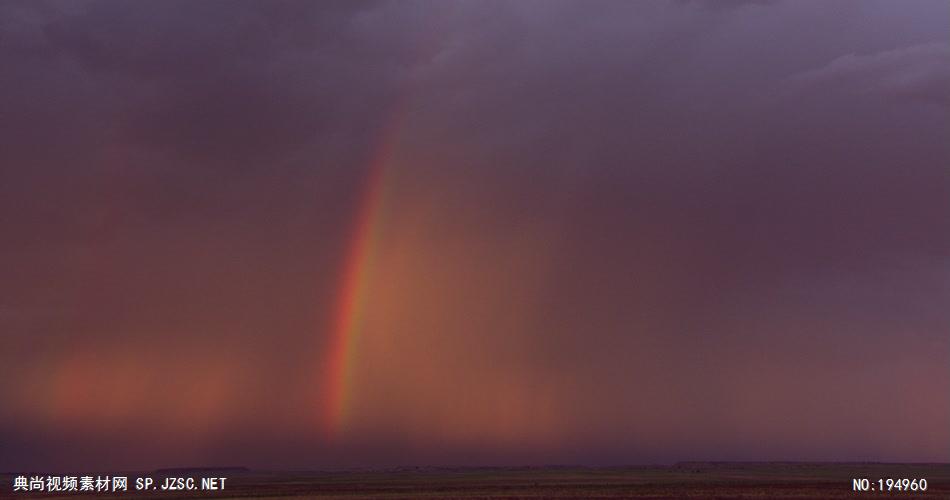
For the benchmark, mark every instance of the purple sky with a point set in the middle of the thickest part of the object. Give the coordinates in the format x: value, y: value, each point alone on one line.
x: 612, y: 232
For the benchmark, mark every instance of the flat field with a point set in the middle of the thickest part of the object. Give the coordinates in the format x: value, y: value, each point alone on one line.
x: 686, y: 480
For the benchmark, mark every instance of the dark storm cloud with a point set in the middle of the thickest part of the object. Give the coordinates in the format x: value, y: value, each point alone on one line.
x: 691, y: 195
x: 717, y: 149
x: 171, y: 132
x: 242, y: 83
x: 183, y: 95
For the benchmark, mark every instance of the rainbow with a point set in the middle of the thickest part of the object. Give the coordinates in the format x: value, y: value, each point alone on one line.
x: 349, y: 312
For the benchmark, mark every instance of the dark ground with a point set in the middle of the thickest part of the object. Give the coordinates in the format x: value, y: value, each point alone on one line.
x: 686, y: 480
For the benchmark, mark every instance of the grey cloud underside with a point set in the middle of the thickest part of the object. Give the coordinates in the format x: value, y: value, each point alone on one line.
x: 726, y: 4
x: 919, y: 72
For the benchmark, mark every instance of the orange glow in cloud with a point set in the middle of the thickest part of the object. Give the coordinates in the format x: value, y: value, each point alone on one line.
x: 444, y: 356
x: 134, y: 386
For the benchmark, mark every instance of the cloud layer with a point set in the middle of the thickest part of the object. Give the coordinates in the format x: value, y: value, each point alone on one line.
x: 613, y: 232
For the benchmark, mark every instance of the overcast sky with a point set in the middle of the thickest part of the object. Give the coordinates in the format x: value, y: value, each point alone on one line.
x: 607, y: 231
